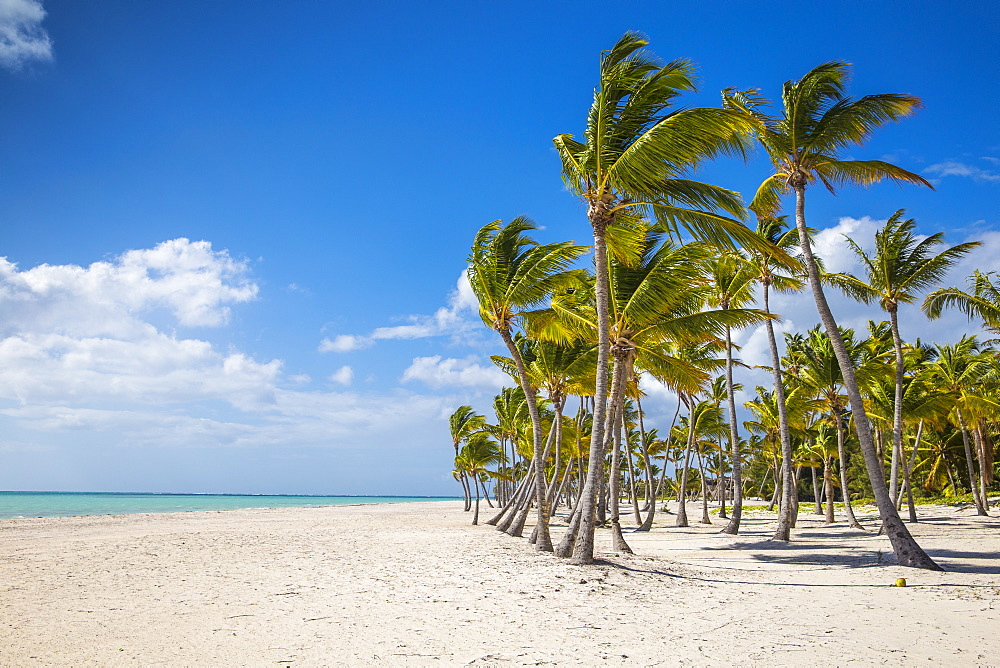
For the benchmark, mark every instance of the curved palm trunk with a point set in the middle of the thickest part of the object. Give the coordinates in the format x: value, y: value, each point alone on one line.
x: 842, y: 455
x: 465, y: 492
x: 506, y: 516
x: 579, y: 540
x: 475, y: 481
x: 908, y: 552
x: 734, y: 444
x: 544, y: 542
x: 786, y: 518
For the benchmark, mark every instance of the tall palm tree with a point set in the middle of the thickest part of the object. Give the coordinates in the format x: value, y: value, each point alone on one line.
x: 632, y: 161
x: 819, y: 121
x: 509, y: 273
x: 901, y: 267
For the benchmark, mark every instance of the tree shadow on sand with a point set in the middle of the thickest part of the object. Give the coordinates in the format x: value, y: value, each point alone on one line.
x: 990, y: 561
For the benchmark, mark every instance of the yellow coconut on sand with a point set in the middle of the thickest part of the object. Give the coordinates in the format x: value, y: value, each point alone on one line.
x: 900, y: 582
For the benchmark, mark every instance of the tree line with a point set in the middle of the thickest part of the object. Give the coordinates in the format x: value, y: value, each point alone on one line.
x: 676, y: 270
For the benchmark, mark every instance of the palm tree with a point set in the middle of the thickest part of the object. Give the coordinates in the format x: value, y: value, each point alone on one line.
x: 819, y: 122
x: 509, y: 272
x: 632, y: 162
x: 900, y: 268
x: 463, y: 423
x: 479, y: 452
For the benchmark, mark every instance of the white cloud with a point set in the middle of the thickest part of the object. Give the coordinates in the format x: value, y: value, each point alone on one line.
x: 438, y: 372
x: 344, y: 343
x: 344, y: 375
x: 188, y: 279
x: 452, y: 320
x: 831, y: 245
x: 953, y: 168
x: 22, y: 37
x: 75, y: 334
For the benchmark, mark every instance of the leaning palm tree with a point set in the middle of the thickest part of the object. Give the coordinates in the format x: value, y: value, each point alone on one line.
x: 510, y: 272
x: 632, y: 162
x: 901, y: 267
x: 819, y: 121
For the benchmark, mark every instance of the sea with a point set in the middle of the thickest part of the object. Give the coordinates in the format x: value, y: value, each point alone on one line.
x: 71, y: 504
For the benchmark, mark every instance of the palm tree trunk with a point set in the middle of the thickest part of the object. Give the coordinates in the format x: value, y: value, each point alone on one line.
x: 506, y: 516
x: 817, y: 498
x: 844, y: 489
x: 720, y: 483
x: 682, y: 518
x: 618, y: 543
x: 785, y: 517
x: 650, y: 498
x: 544, y: 542
x: 973, y: 479
x: 705, y: 519
x: 828, y: 489
x: 580, y: 542
x: 486, y: 494
x: 633, y: 486
x: 648, y: 523
x: 908, y: 552
x: 984, y: 466
x: 475, y: 518
x: 734, y: 443
x: 562, y: 486
x: 465, y: 491
x: 897, y: 404
x: 907, y: 467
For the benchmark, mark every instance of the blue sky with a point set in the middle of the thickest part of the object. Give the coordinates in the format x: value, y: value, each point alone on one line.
x: 234, y: 232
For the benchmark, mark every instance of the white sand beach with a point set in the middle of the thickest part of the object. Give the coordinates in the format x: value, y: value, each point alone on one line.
x: 414, y: 584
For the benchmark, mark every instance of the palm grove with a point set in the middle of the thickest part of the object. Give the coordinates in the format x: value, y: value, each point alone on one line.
x: 678, y: 266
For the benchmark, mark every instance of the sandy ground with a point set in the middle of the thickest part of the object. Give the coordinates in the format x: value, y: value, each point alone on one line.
x: 414, y: 584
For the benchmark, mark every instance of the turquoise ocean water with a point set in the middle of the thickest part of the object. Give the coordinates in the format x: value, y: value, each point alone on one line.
x: 66, y: 504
